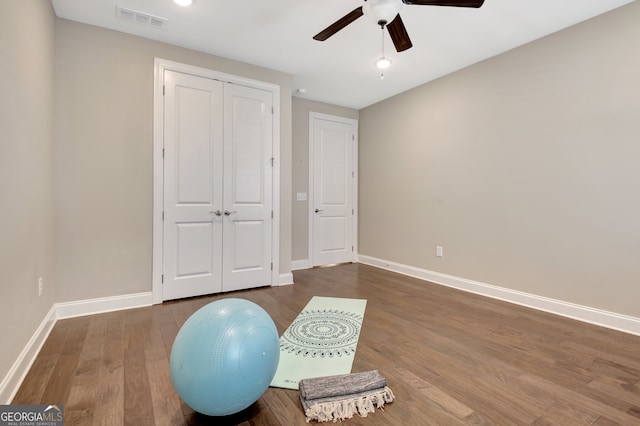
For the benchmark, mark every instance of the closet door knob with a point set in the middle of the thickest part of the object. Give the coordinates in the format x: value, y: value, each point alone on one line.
x: 229, y: 213
x: 318, y: 210
x: 217, y: 212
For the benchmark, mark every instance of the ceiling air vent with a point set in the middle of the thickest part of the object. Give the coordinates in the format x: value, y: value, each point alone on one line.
x: 140, y: 17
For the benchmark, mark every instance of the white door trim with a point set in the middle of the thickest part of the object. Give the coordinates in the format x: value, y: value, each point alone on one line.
x: 354, y: 123
x: 160, y: 65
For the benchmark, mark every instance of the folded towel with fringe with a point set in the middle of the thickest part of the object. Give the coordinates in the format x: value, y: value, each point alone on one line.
x: 341, y: 397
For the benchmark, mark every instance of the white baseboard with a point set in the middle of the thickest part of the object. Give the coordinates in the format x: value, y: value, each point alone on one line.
x: 12, y: 381
x: 297, y: 265
x: 284, y: 279
x: 587, y: 314
x: 104, y: 304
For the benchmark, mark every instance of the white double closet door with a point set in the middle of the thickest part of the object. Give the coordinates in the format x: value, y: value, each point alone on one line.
x: 217, y: 228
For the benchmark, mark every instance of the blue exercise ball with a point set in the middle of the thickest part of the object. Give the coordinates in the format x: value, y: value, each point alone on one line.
x: 224, y: 357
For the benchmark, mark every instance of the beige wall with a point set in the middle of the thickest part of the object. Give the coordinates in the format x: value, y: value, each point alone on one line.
x: 26, y: 172
x: 104, y: 167
x: 523, y: 167
x: 300, y: 168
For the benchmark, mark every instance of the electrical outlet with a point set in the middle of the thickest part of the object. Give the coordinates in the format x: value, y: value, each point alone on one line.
x: 40, y: 286
x: 439, y: 252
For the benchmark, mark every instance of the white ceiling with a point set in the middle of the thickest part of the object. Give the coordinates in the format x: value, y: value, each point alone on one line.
x: 277, y: 34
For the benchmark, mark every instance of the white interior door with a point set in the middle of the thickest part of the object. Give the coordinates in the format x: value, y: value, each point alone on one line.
x: 218, y: 177
x: 193, y: 186
x: 248, y: 178
x: 215, y: 150
x: 333, y: 189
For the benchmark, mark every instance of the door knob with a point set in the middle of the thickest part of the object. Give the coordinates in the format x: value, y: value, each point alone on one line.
x: 318, y: 210
x: 228, y: 213
x: 217, y: 212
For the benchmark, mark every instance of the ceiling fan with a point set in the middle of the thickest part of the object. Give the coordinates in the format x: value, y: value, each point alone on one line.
x: 386, y: 14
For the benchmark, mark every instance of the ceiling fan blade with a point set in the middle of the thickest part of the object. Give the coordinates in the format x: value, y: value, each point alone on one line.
x: 455, y: 3
x: 339, y: 24
x: 399, y: 35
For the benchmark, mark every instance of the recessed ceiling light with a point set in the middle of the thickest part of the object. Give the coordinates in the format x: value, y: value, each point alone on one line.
x: 183, y: 2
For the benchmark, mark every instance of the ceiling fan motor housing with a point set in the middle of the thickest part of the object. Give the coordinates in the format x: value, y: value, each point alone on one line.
x: 382, y: 11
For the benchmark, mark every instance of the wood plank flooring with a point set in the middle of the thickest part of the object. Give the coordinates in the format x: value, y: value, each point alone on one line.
x: 450, y: 357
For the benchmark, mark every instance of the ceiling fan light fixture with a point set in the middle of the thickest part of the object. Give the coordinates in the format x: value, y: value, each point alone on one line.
x: 382, y: 11
x: 383, y: 63
x: 183, y: 3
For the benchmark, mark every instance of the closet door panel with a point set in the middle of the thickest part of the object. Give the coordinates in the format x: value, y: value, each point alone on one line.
x: 193, y: 174
x: 248, y: 134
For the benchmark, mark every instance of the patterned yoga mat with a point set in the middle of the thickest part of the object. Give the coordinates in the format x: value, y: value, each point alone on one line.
x: 321, y: 341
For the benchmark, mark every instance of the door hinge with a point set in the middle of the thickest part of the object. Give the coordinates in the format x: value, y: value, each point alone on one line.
x: 273, y: 161
x: 272, y: 111
x: 352, y: 249
x: 271, y: 214
x: 162, y: 278
x: 162, y: 214
x: 353, y: 174
x: 353, y: 137
x: 163, y: 91
x: 353, y: 211
x: 272, y: 266
x: 162, y: 152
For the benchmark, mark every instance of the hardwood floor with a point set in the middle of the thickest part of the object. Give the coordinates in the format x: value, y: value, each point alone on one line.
x: 450, y: 357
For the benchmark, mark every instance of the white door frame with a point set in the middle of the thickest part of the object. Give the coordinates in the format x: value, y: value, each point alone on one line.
x: 354, y: 123
x: 160, y: 65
